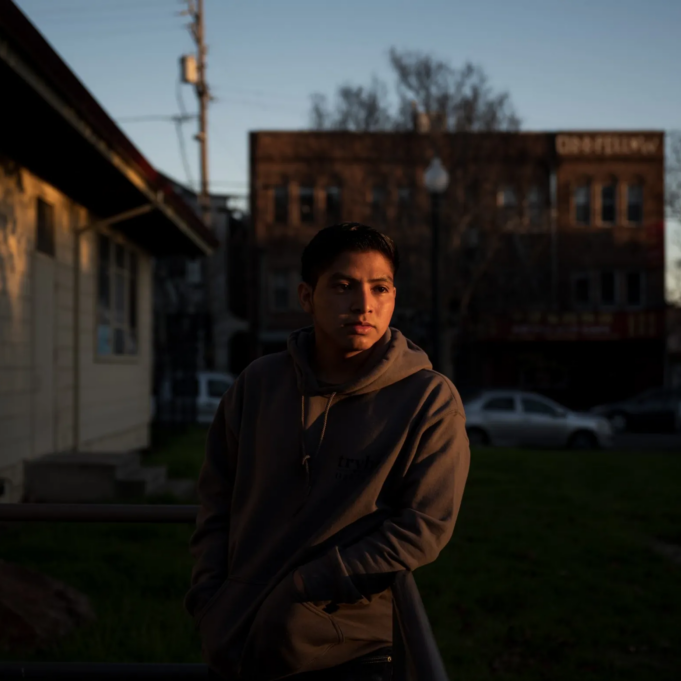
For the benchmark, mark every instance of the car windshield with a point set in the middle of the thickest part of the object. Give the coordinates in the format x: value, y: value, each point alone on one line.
x: 532, y: 405
x: 505, y: 403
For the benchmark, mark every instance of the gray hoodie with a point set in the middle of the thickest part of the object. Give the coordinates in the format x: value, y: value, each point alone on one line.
x: 312, y: 498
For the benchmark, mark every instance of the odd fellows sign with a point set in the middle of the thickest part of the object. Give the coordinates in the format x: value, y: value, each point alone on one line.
x: 572, y: 326
x: 609, y: 144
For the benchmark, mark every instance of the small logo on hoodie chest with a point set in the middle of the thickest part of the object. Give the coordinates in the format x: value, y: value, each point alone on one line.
x: 351, y: 468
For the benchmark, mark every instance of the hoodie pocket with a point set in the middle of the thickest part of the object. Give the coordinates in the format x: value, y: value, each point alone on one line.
x: 221, y: 622
x: 288, y: 635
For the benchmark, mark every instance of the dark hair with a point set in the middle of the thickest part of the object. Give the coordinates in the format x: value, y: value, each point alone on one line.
x: 331, y: 241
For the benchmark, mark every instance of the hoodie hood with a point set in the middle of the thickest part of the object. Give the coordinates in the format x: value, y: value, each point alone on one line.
x: 396, y: 360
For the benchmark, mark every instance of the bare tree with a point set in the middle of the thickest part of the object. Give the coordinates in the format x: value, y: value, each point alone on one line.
x: 461, y: 99
x: 356, y: 108
x: 458, y: 100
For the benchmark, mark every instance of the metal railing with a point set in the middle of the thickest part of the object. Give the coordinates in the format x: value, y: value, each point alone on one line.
x: 416, y: 655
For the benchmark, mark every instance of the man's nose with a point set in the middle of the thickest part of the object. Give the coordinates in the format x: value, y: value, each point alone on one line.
x: 362, y: 301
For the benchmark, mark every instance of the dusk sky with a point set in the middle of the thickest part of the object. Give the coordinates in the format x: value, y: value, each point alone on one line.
x: 567, y: 65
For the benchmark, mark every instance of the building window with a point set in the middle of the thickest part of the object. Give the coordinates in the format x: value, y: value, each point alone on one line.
x: 44, y: 242
x: 117, y: 299
x: 635, y: 204
x: 506, y: 198
x: 535, y: 207
x: 281, y: 204
x: 378, y: 200
x: 608, y: 288
x: 609, y: 204
x: 583, y: 204
x: 634, y: 288
x: 307, y: 204
x: 404, y: 204
x: 333, y: 204
x: 581, y: 290
x: 280, y: 291
x: 507, y: 202
x: 193, y: 271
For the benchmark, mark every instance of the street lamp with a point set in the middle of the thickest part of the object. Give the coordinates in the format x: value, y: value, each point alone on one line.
x: 436, y: 180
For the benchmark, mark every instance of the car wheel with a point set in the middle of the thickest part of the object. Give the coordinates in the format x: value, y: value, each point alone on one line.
x: 477, y: 437
x: 583, y: 440
x: 619, y: 422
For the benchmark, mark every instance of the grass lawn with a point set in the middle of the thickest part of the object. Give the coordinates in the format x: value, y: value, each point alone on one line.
x: 551, y: 573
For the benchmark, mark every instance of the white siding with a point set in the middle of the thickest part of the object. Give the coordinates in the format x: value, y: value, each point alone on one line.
x: 114, y: 392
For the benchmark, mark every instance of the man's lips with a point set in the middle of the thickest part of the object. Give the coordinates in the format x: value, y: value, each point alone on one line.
x: 359, y: 327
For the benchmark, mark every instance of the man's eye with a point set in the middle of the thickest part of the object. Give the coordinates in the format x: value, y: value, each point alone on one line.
x: 342, y: 287
x: 382, y: 289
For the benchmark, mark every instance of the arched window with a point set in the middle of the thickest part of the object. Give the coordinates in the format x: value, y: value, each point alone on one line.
x: 582, y: 201
x: 535, y: 206
x: 306, y: 200
x: 379, y: 197
x: 635, y: 202
x: 609, y: 202
x: 334, y: 203
x: 281, y: 204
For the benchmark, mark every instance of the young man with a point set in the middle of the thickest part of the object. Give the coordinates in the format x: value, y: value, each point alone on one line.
x: 329, y: 468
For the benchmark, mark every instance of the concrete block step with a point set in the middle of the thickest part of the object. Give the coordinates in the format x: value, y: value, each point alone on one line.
x: 181, y: 488
x: 141, y: 482
x: 73, y: 477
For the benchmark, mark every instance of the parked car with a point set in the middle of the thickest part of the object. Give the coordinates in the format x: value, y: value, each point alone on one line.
x: 191, y: 398
x: 513, y: 418
x: 658, y: 409
x: 212, y: 386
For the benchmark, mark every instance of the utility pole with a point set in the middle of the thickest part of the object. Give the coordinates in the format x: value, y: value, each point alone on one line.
x: 194, y: 72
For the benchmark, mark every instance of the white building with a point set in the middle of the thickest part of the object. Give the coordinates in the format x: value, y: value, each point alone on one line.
x: 82, y: 214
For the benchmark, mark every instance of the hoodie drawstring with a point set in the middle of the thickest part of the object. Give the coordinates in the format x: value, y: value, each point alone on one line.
x: 326, y: 418
x: 306, y: 457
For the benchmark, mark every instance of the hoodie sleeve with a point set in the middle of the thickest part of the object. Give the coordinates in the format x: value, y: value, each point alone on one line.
x: 209, y: 543
x: 429, y: 499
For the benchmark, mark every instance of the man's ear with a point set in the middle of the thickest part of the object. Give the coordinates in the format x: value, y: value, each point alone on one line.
x: 305, y: 295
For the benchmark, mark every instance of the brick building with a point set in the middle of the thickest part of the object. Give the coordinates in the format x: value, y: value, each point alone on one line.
x: 553, y: 247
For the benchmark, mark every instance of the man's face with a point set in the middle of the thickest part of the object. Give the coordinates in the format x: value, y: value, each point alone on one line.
x: 353, y: 301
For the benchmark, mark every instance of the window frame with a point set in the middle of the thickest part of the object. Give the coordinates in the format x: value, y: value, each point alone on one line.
x: 610, y: 184
x: 587, y: 276
x: 379, y: 209
x: 45, y: 237
x: 130, y: 324
x: 616, y: 289
x: 535, y: 208
x: 286, y: 214
x: 291, y: 277
x: 639, y: 185
x: 642, y: 289
x: 405, y: 207
x: 331, y: 216
x: 309, y: 190
x: 586, y: 185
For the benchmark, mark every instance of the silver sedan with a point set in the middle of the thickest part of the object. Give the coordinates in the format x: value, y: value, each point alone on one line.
x: 511, y: 418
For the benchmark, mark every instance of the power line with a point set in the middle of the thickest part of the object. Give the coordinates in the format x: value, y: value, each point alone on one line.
x: 155, y: 118
x: 100, y: 10
x: 121, y: 34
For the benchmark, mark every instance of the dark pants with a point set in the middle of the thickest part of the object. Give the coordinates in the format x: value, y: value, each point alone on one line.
x: 374, y: 667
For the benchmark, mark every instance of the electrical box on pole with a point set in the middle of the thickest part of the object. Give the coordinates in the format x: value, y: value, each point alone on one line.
x: 189, y: 71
